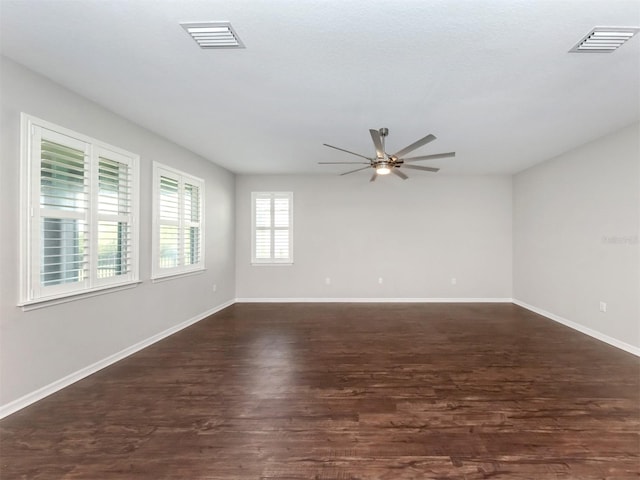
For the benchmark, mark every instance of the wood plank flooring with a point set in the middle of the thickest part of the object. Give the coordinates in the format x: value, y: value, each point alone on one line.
x: 345, y: 391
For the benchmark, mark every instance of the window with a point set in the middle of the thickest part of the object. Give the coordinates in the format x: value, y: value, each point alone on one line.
x: 272, y: 227
x: 178, y: 212
x: 79, y: 215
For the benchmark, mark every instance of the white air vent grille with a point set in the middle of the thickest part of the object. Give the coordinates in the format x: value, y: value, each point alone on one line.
x: 604, y: 39
x: 213, y: 34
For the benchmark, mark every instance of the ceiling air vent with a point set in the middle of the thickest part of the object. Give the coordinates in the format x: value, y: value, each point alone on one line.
x: 604, y: 39
x: 213, y: 34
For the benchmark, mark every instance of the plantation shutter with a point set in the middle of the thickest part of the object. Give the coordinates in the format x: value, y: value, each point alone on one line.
x: 263, y: 228
x: 179, y: 222
x: 114, y: 216
x: 272, y: 227
x: 64, y: 208
x: 169, y: 222
x: 191, y: 228
x: 281, y: 221
x: 80, y: 220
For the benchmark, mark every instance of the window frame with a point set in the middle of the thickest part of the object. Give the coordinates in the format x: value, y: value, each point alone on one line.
x: 32, y: 292
x: 271, y: 261
x: 182, y: 177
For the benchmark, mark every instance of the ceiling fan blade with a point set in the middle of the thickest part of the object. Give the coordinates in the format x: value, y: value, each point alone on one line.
x: 414, y: 145
x: 375, y: 136
x: 356, y: 170
x: 347, y: 151
x: 420, y: 167
x: 373, y: 178
x: 399, y: 173
x: 430, y: 157
x: 343, y: 163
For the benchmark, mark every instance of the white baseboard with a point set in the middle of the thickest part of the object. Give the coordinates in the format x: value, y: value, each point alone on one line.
x: 53, y: 387
x: 373, y: 300
x: 581, y: 328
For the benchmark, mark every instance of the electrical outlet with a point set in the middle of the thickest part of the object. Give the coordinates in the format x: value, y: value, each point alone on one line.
x: 327, y: 281
x: 214, y: 288
x: 454, y: 281
x: 603, y: 307
x: 380, y: 280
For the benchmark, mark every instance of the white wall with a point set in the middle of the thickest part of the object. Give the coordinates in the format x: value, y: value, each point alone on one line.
x: 415, y: 234
x: 41, y: 346
x: 576, y: 226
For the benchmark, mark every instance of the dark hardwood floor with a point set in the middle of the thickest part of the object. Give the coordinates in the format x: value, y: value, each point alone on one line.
x: 345, y: 391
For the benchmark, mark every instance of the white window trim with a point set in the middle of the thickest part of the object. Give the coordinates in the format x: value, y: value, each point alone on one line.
x: 271, y: 261
x: 30, y: 214
x: 158, y: 273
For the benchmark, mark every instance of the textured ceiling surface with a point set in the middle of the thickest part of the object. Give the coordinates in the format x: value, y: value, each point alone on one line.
x: 492, y: 79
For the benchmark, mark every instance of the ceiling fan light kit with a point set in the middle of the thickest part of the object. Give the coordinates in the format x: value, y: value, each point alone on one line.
x: 383, y: 163
x: 383, y: 168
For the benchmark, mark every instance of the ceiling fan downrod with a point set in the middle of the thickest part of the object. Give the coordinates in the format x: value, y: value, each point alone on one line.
x: 382, y: 164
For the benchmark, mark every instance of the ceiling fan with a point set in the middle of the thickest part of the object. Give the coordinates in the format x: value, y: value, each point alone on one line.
x: 384, y: 163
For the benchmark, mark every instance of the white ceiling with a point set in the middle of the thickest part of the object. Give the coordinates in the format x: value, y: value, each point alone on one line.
x: 492, y: 79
